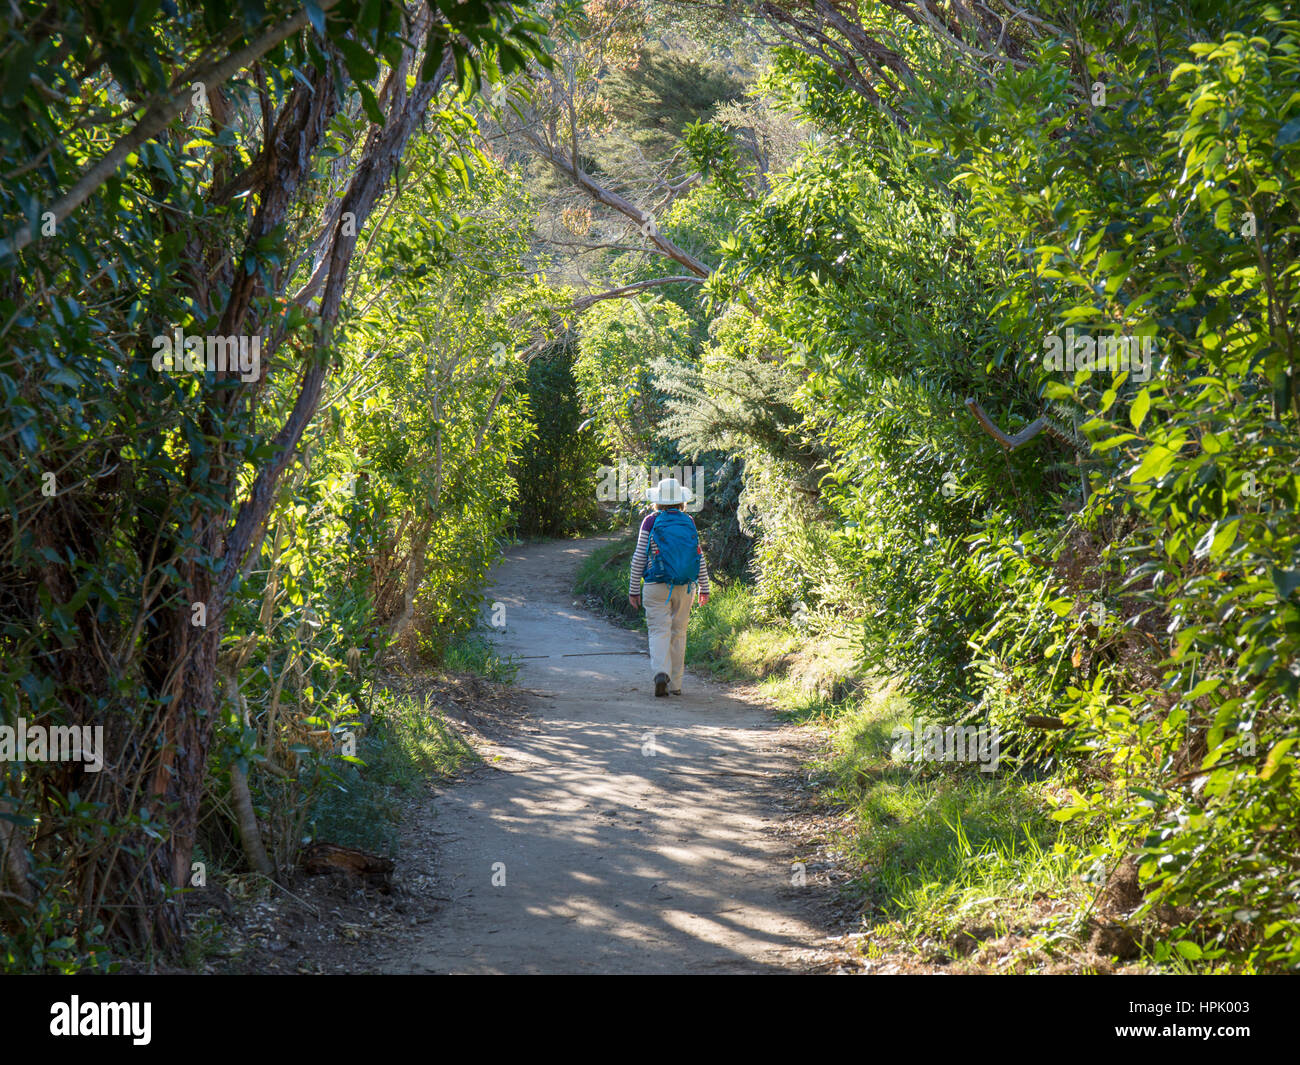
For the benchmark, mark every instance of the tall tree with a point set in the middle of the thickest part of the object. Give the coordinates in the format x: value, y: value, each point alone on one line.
x: 205, y: 176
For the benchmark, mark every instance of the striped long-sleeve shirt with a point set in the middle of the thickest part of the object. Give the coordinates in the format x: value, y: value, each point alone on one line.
x: 640, y: 557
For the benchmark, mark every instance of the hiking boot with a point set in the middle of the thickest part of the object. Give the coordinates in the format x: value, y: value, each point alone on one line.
x: 661, y: 684
x: 675, y: 691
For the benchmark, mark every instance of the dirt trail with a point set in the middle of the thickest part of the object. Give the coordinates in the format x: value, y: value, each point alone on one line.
x: 615, y: 860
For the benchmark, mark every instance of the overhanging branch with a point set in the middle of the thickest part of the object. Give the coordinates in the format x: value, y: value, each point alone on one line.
x: 583, y: 302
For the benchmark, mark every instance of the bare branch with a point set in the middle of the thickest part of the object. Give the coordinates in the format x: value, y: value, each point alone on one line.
x: 600, y: 194
x: 1011, y: 443
x: 583, y: 302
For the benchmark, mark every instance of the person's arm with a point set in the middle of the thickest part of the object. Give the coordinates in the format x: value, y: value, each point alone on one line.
x: 638, y: 562
x: 704, y: 568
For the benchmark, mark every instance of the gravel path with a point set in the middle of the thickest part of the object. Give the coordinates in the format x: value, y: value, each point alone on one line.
x: 620, y: 833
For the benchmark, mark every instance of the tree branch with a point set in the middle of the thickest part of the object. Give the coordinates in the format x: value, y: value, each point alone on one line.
x: 1011, y: 443
x: 583, y: 302
x: 587, y: 184
x: 157, y: 118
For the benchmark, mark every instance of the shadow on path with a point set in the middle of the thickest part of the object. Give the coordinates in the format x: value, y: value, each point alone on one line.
x: 623, y: 833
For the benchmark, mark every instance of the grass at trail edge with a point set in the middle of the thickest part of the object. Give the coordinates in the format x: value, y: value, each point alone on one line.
x: 946, y: 858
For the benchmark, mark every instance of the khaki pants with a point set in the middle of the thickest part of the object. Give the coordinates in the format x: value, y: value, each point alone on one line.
x: 667, y: 624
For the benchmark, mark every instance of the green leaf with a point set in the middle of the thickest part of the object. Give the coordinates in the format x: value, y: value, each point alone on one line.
x: 1155, y: 464
x: 361, y: 64
x: 1290, y: 133
x: 317, y: 17
x: 432, y: 59
x: 1218, y: 539
x: 1274, y: 760
x: 1138, y: 412
x: 370, y: 104
x: 1286, y: 581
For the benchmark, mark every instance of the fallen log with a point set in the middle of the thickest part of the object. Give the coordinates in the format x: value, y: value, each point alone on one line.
x: 323, y: 859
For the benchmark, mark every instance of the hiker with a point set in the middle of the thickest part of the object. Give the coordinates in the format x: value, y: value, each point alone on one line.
x: 669, y: 558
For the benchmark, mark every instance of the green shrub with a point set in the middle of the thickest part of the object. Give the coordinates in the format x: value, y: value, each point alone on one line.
x: 557, y: 467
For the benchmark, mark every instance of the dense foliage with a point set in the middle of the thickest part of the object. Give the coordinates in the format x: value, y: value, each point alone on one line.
x: 986, y: 342
x: 204, y: 555
x: 559, y: 463
x: 1126, y: 579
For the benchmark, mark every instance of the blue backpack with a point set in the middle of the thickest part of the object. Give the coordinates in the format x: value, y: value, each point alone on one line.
x: 674, y: 551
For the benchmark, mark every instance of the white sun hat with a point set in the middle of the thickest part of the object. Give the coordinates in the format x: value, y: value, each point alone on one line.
x: 668, y: 492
